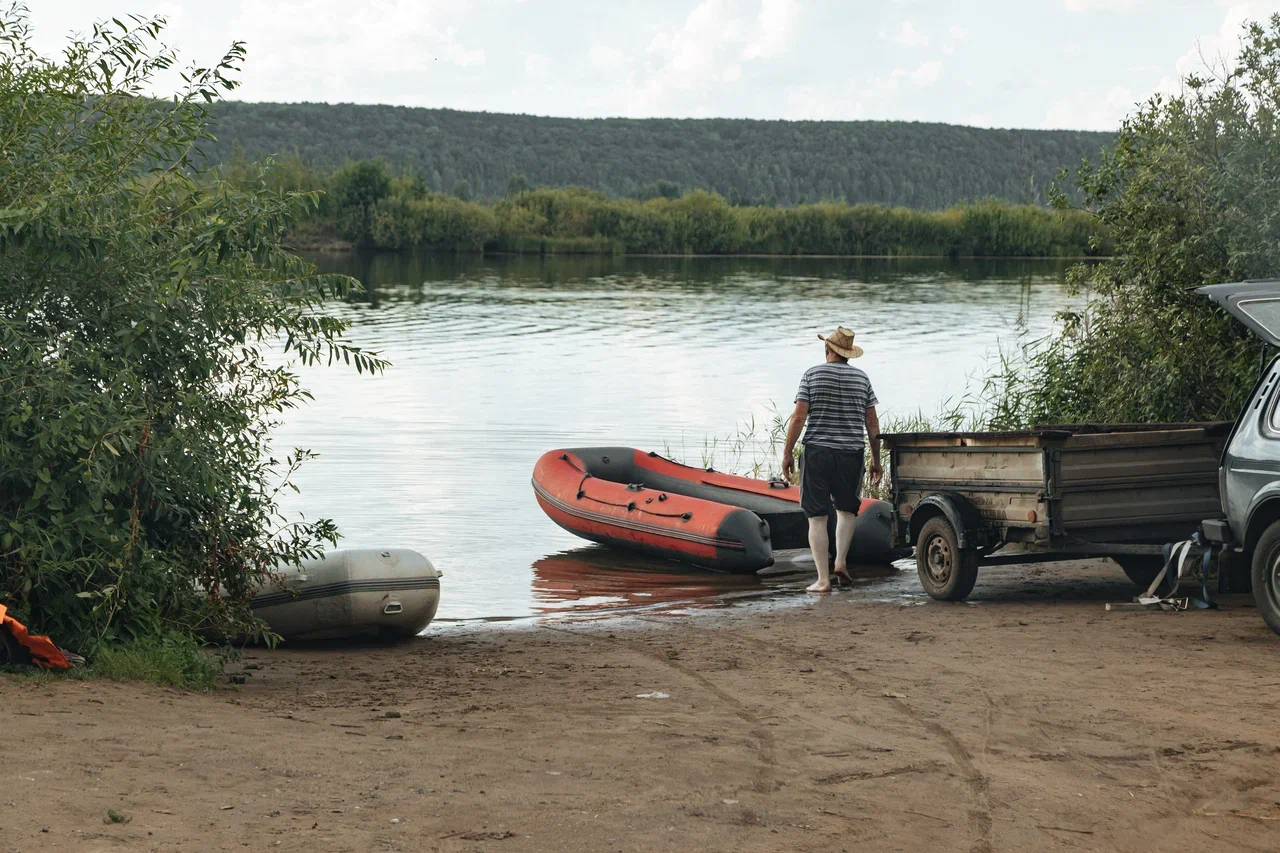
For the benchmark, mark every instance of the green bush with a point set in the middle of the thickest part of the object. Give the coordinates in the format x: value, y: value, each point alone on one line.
x: 138, y: 305
x: 357, y: 188
x: 1189, y: 195
x: 696, y: 223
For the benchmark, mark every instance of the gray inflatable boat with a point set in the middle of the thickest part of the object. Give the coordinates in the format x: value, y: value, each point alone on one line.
x: 351, y: 593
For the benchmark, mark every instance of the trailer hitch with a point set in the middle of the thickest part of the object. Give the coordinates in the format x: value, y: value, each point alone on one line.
x: 1175, y: 554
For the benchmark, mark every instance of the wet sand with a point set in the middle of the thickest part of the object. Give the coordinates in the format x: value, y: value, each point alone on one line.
x: 1030, y: 719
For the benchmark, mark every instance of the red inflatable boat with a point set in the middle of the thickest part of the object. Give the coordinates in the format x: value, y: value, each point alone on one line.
x: 629, y: 498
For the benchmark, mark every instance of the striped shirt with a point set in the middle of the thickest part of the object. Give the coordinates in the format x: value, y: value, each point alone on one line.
x: 838, y: 395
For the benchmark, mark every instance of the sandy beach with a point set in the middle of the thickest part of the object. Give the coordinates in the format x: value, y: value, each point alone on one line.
x: 1029, y: 719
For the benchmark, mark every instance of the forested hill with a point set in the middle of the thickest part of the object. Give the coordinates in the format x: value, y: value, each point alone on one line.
x: 746, y: 161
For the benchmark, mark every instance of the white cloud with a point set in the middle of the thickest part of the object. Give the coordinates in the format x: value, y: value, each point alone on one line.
x: 906, y: 35
x: 1213, y: 51
x: 1101, y: 5
x: 605, y: 56
x: 692, y: 48
x: 807, y: 103
x: 959, y: 33
x: 287, y: 39
x: 926, y: 74
x: 688, y: 63
x: 774, y: 25
x: 1090, y: 110
x: 537, y: 68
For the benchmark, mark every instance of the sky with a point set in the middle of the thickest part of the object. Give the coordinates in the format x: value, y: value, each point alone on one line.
x: 1079, y: 64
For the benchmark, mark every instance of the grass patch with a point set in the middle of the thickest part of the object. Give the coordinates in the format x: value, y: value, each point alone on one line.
x: 114, y: 816
x: 754, y: 449
x: 172, y: 660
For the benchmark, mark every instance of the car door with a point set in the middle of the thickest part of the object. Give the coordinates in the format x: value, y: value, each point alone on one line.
x: 1251, y: 464
x: 1256, y: 304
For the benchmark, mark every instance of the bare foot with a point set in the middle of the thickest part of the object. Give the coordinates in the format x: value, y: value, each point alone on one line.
x: 842, y: 576
x: 818, y: 586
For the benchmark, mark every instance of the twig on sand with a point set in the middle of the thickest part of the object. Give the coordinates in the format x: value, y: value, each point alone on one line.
x: 931, y: 817
x: 1065, y: 829
x: 1244, y: 815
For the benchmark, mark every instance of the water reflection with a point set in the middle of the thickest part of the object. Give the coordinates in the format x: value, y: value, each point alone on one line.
x: 596, y: 578
x: 494, y: 361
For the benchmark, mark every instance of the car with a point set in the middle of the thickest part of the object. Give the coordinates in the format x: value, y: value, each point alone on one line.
x: 1249, y: 473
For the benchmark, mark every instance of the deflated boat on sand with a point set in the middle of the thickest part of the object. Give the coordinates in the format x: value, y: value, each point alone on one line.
x: 357, y: 592
x: 641, y: 501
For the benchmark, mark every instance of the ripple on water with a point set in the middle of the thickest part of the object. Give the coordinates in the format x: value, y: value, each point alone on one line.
x: 497, y: 360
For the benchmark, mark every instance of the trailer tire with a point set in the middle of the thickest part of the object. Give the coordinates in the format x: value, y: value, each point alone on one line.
x: 946, y: 571
x: 1266, y: 575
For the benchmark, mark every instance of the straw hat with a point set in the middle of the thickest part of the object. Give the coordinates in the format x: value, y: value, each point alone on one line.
x: 841, y: 341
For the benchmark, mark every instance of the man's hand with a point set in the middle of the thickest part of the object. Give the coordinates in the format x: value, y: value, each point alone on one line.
x: 788, y: 464
x: 873, y: 439
x: 794, y: 425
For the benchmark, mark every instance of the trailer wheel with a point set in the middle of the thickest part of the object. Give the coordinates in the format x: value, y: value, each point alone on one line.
x: 946, y: 572
x: 1266, y: 575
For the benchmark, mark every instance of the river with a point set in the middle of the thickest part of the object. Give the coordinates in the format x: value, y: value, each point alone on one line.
x: 496, y: 360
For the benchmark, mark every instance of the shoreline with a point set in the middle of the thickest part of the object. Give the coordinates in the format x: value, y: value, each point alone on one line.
x: 337, y: 247
x: 1030, y: 717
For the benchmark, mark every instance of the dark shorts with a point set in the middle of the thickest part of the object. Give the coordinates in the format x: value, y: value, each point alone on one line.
x: 829, y: 475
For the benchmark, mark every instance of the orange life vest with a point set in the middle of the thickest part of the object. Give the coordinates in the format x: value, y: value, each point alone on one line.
x: 42, y: 649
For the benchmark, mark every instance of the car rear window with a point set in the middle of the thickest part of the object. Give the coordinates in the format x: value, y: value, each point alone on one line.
x: 1264, y: 312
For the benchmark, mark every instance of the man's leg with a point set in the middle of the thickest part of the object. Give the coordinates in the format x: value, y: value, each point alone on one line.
x: 845, y: 486
x: 815, y: 500
x: 818, y: 543
x: 846, y: 523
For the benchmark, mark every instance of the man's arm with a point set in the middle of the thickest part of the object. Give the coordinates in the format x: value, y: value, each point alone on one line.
x: 873, y: 438
x: 798, y: 417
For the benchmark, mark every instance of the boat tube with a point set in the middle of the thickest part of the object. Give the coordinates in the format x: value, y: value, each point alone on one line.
x: 384, y: 593
x: 632, y: 499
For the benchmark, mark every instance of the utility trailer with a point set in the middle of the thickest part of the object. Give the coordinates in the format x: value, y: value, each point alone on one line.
x: 1122, y: 491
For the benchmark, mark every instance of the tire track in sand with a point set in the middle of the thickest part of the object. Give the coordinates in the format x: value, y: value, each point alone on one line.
x: 766, y: 745
x: 979, y: 785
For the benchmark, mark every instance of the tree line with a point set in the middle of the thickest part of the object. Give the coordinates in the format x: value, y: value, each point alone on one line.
x: 368, y: 205
x: 927, y: 166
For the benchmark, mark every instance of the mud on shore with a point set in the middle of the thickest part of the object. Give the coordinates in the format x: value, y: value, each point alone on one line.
x: 1029, y: 719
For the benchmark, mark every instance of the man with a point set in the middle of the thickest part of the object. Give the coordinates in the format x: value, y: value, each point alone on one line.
x: 836, y: 400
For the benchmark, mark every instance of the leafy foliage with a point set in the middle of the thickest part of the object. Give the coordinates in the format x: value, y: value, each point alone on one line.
x: 139, y: 310
x: 748, y: 162
x: 1190, y: 195
x: 403, y: 215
